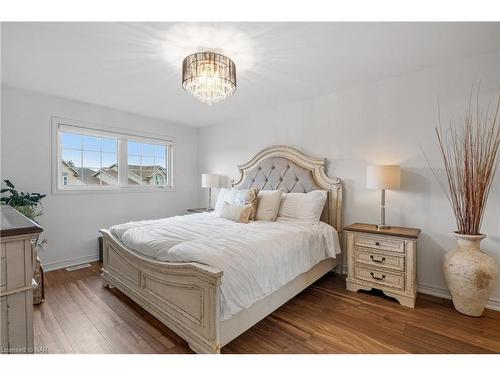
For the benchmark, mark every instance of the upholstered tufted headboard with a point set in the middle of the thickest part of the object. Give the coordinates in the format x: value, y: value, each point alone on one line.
x: 289, y: 169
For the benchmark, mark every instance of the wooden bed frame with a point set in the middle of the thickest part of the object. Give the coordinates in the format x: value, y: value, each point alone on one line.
x: 185, y: 296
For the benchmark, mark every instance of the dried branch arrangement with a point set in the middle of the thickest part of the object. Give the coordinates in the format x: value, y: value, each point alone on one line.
x: 471, y: 156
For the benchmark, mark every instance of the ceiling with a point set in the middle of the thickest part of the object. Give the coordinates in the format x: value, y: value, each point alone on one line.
x: 136, y: 67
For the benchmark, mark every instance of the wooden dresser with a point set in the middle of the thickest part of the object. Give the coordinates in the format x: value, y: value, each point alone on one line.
x: 16, y: 281
x: 384, y: 259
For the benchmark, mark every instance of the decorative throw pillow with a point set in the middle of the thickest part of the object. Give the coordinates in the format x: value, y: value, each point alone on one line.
x: 268, y: 204
x: 303, y: 206
x: 245, y: 197
x: 240, y: 214
x: 225, y: 195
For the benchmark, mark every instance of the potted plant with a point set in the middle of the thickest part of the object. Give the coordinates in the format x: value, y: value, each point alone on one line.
x: 29, y: 204
x: 471, y: 155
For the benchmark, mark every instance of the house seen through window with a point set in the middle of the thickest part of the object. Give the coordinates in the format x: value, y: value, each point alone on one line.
x: 147, y: 163
x: 89, y: 160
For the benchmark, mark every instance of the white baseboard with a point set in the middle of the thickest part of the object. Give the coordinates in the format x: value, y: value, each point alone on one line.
x: 434, y: 291
x: 493, y: 303
x: 52, y: 266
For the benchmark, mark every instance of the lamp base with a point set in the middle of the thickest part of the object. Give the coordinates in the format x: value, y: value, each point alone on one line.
x: 383, y: 226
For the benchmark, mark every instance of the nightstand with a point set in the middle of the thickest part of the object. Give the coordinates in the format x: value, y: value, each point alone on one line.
x: 199, y: 210
x: 384, y: 259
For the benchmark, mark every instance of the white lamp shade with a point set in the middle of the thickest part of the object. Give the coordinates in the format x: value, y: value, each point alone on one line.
x: 383, y: 177
x: 209, y: 180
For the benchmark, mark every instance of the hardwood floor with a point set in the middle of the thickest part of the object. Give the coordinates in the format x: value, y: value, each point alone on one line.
x: 80, y: 316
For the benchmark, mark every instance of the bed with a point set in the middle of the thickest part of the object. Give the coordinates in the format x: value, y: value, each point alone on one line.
x: 187, y: 295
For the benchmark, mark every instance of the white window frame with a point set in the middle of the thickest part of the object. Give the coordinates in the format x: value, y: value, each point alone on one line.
x: 60, y: 124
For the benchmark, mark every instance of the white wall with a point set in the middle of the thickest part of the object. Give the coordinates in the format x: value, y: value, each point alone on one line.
x: 386, y: 122
x: 71, y: 222
x: 390, y: 121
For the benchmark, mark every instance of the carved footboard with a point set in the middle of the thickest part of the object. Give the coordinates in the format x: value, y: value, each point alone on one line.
x: 183, y: 296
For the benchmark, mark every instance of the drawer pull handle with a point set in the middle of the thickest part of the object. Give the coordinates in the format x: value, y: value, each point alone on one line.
x: 377, y: 243
x: 377, y: 278
x: 377, y: 260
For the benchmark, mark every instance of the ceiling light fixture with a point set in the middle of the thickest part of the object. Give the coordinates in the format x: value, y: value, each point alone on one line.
x: 209, y: 76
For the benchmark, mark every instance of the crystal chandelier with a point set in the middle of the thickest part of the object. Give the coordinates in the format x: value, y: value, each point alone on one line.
x: 209, y: 76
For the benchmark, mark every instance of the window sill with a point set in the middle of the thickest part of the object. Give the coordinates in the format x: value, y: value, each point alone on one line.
x: 106, y: 190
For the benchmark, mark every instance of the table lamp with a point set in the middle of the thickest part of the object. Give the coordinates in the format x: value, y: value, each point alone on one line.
x: 382, y: 177
x: 209, y: 181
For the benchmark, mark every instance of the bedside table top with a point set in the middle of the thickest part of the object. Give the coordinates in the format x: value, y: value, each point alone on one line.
x: 198, y: 210
x: 391, y: 231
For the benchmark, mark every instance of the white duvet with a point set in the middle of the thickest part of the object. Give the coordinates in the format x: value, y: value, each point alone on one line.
x: 257, y: 258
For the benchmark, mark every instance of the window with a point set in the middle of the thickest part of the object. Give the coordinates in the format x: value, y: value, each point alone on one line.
x: 147, y: 163
x: 88, y: 160
x: 88, y: 157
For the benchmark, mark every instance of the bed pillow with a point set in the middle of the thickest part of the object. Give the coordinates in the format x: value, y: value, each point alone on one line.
x: 239, y: 197
x: 225, y: 195
x: 268, y: 204
x: 238, y: 213
x: 244, y: 197
x: 303, y: 206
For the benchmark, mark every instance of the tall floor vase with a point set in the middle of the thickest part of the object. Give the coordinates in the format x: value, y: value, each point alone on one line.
x: 470, y: 274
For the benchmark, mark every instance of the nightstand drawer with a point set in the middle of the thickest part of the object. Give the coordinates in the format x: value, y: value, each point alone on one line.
x: 379, y: 259
x: 393, y: 280
x: 378, y: 242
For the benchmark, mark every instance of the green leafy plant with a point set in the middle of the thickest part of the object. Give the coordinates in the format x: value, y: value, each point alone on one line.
x: 29, y: 204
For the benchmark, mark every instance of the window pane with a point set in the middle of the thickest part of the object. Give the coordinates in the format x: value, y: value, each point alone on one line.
x: 70, y: 140
x: 70, y: 174
x: 99, y: 164
x: 148, y: 161
x: 89, y: 176
x: 108, y: 174
x: 146, y: 164
x: 148, y: 150
x: 160, y: 162
x: 92, y: 159
x: 72, y: 157
x: 91, y: 143
x: 160, y: 151
x: 134, y: 175
x: 109, y: 145
x: 134, y: 160
x: 112, y: 182
x: 108, y: 159
x: 134, y: 148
